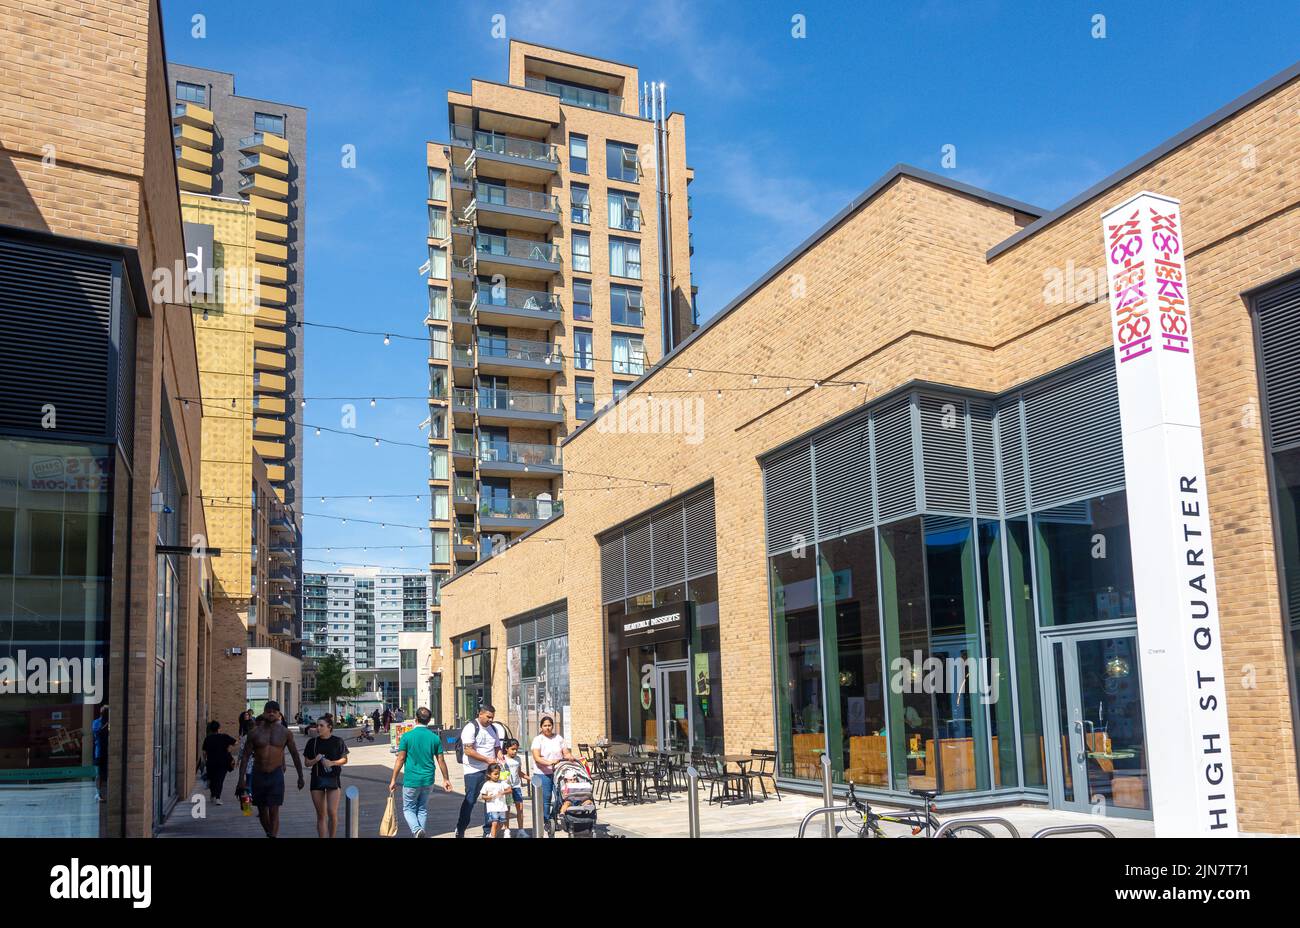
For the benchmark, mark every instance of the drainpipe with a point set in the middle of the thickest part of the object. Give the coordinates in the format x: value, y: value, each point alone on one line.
x: 665, y: 232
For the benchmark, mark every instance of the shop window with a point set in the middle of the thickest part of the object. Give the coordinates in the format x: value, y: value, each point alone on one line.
x: 801, y: 730
x: 1085, y: 568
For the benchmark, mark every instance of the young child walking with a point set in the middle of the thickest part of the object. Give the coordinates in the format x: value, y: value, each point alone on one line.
x: 513, y: 774
x: 494, y: 793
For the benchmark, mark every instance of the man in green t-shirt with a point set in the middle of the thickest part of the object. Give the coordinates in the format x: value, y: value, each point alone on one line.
x: 417, y: 751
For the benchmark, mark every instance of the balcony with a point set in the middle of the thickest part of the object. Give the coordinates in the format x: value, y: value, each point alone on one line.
x: 577, y: 96
x: 516, y: 257
x: 463, y: 541
x: 506, y: 356
x: 191, y: 114
x: 272, y: 294
x: 267, y: 382
x: 192, y: 136
x: 516, y: 511
x: 269, y: 450
x: 265, y: 143
x: 507, y: 207
x: 516, y: 458
x: 269, y: 338
x: 264, y: 164
x: 195, y: 181
x: 196, y: 159
x: 272, y: 273
x: 508, y: 407
x: 270, y: 251
x: 464, y: 495
x: 267, y: 428
x: 264, y: 185
x: 508, y: 157
x: 267, y: 208
x: 264, y: 360
x: 270, y: 405
x: 271, y: 230
x: 462, y: 446
x: 515, y: 306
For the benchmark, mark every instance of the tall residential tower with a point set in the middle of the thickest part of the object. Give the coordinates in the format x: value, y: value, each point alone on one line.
x: 559, y: 272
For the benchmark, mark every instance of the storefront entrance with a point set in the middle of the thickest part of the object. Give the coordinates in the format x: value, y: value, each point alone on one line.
x: 673, y: 709
x: 1093, y: 687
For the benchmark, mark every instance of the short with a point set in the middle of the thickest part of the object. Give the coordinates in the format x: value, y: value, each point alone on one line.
x: 268, y: 788
x: 497, y: 818
x: 519, y: 795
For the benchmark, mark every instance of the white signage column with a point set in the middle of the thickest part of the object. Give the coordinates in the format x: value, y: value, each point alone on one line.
x: 1183, y: 687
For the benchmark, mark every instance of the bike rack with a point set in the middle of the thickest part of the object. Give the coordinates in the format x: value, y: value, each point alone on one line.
x: 1073, y: 830
x: 976, y: 820
x: 826, y: 810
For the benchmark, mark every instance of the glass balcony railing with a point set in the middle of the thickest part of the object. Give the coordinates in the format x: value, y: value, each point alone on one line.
x: 519, y: 452
x: 579, y: 96
x: 462, y: 354
x: 502, y: 195
x: 462, y: 398
x: 516, y: 507
x: 518, y: 349
x: 490, y: 398
x: 509, y: 145
x: 464, y: 489
x: 460, y: 177
x: 460, y: 535
x: 462, y: 264
x: 489, y: 244
x: 463, y: 442
x: 518, y: 298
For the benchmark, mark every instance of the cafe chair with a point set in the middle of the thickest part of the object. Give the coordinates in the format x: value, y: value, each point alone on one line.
x: 764, y: 768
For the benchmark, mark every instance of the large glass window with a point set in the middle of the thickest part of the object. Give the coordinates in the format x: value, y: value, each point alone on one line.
x: 624, y: 211
x: 192, y: 93
x: 855, y: 693
x: 624, y: 258
x: 582, y: 355
x: 580, y: 204
x: 801, y: 720
x: 584, y: 394
x: 1085, y: 567
x: 621, y: 162
x: 629, y: 354
x: 625, y: 305
x: 1286, y: 485
x: 582, y: 300
x: 265, y: 122
x: 1019, y: 578
x: 582, y: 252
x: 997, y: 632
x: 578, y: 154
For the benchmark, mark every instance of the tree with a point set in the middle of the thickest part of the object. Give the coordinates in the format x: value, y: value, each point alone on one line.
x: 334, y: 680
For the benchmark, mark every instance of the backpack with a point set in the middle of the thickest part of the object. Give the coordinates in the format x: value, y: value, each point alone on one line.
x: 460, y: 745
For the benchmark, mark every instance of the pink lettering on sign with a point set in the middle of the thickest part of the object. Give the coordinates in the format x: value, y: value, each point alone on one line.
x: 1171, y: 297
x: 1124, y: 245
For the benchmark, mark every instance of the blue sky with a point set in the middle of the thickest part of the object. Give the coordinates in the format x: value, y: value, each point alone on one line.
x: 782, y: 132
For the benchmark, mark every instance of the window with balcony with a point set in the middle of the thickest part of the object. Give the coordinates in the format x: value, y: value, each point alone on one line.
x: 438, y: 304
x: 192, y: 93
x: 439, y: 344
x: 441, y: 546
x: 440, y: 503
x: 625, y: 258
x: 580, y: 200
x: 629, y: 354
x: 578, y: 154
x: 625, y: 305
x: 438, y: 465
x: 582, y: 354
x: 621, y: 162
x: 438, y: 228
x: 582, y: 300
x: 437, y: 184
x: 584, y: 395
x: 265, y: 122
x: 438, y: 424
x: 582, y: 252
x: 624, y: 211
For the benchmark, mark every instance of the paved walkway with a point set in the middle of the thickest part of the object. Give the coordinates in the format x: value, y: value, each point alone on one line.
x: 370, y: 766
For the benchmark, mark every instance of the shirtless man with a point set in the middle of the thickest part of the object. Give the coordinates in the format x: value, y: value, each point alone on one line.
x: 267, y: 740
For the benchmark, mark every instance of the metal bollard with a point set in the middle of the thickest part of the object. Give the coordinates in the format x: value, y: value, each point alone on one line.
x: 539, y: 814
x: 828, y: 794
x: 351, y: 812
x: 693, y: 802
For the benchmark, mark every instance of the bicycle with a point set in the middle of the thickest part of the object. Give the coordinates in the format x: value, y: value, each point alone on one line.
x: 868, y: 823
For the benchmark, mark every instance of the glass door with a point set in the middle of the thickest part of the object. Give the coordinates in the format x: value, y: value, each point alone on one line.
x: 674, y: 716
x: 1099, y: 758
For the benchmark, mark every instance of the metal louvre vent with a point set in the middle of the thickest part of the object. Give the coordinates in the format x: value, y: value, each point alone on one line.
x: 895, y: 463
x: 640, y: 576
x: 787, y: 488
x: 1278, y: 312
x: 843, y: 466
x: 548, y: 622
x: 56, y: 329
x: 701, y: 535
x: 125, y: 369
x: 1075, y: 444
x: 943, y: 452
x: 984, y: 447
x: 613, y: 582
x: 1011, y: 450
x: 668, y: 547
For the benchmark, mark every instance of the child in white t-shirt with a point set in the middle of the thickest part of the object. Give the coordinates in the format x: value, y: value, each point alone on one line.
x: 494, y: 793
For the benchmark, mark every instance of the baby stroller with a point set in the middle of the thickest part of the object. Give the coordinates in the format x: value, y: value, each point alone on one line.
x: 577, y: 798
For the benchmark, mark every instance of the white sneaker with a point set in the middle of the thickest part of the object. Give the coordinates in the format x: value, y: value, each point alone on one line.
x: 216, y: 802
x: 507, y: 833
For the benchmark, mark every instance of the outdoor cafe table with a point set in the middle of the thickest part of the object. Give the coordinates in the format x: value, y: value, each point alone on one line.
x: 742, y: 762
x: 634, y: 764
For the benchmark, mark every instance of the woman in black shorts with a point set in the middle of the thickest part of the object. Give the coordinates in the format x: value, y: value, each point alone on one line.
x: 325, y: 754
